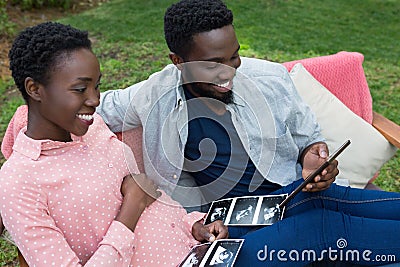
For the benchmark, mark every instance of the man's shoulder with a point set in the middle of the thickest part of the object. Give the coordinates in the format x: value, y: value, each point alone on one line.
x: 260, y: 67
x: 167, y: 77
x: 157, y: 84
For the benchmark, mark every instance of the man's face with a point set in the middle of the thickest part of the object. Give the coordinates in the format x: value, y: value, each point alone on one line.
x: 211, y: 63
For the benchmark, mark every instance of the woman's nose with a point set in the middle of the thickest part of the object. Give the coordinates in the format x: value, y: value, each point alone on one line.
x: 93, y: 98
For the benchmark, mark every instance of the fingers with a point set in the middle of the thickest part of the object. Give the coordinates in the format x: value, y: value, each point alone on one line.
x: 201, y: 233
x: 320, y: 149
x: 323, y: 150
x: 325, y: 179
x: 314, y: 156
x: 146, y: 185
x: 322, y: 185
x: 142, y: 188
x: 210, y: 232
x: 218, y: 230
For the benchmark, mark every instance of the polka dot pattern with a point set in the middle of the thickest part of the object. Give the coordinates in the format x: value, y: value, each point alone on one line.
x: 164, y: 234
x: 59, y: 200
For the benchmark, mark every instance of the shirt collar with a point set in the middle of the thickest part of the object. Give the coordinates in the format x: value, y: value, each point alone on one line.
x: 32, y: 148
x: 179, y: 90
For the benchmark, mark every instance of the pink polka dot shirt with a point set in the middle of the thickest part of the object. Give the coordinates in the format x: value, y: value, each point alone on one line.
x: 58, y: 201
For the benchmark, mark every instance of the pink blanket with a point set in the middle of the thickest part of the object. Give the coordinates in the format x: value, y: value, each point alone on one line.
x: 17, y: 122
x: 343, y: 75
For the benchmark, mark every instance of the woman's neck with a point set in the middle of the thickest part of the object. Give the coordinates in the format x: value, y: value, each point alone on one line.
x: 40, y: 129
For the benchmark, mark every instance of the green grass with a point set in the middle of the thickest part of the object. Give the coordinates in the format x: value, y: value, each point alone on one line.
x: 8, y: 253
x: 128, y: 38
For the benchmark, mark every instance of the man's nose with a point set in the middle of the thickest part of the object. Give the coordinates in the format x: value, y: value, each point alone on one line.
x: 227, y: 72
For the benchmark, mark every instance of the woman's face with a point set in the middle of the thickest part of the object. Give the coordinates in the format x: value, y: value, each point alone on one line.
x: 70, y: 97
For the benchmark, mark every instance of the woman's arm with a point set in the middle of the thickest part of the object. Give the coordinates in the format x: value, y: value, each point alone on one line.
x: 27, y: 216
x: 139, y: 192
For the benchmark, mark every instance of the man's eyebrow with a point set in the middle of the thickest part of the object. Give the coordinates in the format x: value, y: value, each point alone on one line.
x: 216, y: 59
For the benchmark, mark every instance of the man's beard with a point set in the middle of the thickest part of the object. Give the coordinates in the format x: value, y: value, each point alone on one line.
x: 226, y: 98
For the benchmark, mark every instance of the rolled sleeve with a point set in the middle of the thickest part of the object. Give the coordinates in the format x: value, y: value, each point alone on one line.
x: 190, y: 218
x: 121, y: 238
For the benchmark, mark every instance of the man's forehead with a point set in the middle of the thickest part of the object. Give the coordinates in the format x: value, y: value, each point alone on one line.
x: 214, y: 44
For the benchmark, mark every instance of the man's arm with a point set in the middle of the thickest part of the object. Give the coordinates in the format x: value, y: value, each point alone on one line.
x: 117, y: 109
x: 312, y: 148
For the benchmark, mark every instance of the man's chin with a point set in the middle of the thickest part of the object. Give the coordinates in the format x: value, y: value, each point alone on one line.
x: 226, y: 98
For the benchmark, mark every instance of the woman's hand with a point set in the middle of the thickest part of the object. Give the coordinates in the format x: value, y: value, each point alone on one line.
x: 142, y: 188
x: 314, y: 156
x: 139, y: 192
x: 209, y: 232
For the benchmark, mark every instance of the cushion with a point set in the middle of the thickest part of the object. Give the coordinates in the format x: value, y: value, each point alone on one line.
x: 368, y: 150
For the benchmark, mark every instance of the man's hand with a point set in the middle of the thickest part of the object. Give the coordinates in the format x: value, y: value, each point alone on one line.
x: 314, y: 156
x: 210, y: 232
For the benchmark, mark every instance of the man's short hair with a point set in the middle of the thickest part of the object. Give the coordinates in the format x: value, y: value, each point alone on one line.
x: 188, y: 17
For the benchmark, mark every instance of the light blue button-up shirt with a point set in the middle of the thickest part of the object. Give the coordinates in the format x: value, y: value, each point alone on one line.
x: 273, y: 123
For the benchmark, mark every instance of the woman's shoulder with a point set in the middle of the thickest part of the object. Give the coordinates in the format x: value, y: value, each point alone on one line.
x: 16, y: 170
x: 98, y: 131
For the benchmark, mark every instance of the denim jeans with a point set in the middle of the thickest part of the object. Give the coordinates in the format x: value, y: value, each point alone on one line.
x: 338, y: 224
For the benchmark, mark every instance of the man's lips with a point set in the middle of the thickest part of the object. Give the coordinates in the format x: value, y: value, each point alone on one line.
x: 224, y: 87
x: 224, y: 84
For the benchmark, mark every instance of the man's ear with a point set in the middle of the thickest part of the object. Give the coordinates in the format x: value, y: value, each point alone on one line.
x: 33, y: 89
x: 176, y: 60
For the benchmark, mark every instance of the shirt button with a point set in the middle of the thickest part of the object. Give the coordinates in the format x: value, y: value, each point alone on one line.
x: 175, y: 176
x: 110, y: 165
x: 173, y: 225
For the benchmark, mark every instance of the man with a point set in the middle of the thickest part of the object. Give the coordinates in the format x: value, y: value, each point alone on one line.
x: 236, y: 125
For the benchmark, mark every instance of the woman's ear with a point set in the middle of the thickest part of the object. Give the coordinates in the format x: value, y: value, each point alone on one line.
x: 176, y: 60
x: 32, y: 88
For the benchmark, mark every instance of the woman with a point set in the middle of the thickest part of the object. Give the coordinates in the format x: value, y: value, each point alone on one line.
x: 67, y: 197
